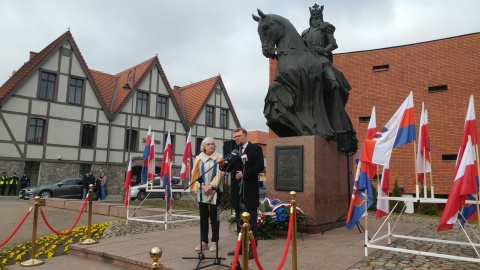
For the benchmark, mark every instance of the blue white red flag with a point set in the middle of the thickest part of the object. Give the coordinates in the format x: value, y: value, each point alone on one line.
x: 362, y: 188
x: 146, y: 154
x: 469, y: 211
x: 398, y: 131
x: 423, y: 150
x: 151, y: 159
x: 382, y: 204
x: 463, y: 185
x: 166, y: 171
x: 128, y: 183
x: 186, y: 170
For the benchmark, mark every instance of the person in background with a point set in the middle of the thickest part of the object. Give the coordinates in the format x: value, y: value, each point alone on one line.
x: 244, y: 190
x: 98, y: 187
x: 104, y: 186
x: 3, y: 183
x: 13, y: 184
x: 209, y: 188
x: 24, y: 181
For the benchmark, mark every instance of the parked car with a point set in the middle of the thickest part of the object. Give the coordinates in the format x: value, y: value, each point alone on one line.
x: 68, y: 189
x: 156, y: 190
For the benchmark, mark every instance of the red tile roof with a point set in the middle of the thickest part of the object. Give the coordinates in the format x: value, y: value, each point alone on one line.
x: 260, y: 138
x: 191, y: 99
x: 25, y: 71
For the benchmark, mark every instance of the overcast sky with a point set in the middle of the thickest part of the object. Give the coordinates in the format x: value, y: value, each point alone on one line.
x: 199, y: 39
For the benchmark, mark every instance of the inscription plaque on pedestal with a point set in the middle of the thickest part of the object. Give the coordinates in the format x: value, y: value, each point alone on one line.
x: 289, y: 168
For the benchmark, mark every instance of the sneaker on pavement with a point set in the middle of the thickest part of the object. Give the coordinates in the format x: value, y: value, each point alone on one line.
x: 204, y: 246
x: 213, y: 246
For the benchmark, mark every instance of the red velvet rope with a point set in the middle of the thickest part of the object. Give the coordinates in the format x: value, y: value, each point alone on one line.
x: 235, y: 257
x: 16, y: 229
x: 254, y: 250
x: 75, y: 224
x: 287, y: 245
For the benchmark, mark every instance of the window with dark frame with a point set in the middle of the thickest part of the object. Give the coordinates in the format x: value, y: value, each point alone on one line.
x: 161, y: 110
x: 133, y: 142
x: 438, y: 88
x: 451, y: 157
x: 75, y: 90
x: 197, y: 147
x: 223, y: 118
x: 47, y: 86
x: 88, y: 135
x: 381, y: 68
x: 32, y: 169
x: 142, y: 103
x: 364, y: 119
x: 35, y: 130
x: 209, y: 116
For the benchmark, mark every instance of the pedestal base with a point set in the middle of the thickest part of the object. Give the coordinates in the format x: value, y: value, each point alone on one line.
x: 325, y: 183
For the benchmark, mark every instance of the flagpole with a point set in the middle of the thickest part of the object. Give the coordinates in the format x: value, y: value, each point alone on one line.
x: 476, y: 197
x: 424, y: 175
x: 431, y: 181
x: 417, y: 192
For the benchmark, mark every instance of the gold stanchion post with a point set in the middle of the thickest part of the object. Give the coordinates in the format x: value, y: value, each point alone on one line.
x: 89, y: 239
x: 293, y: 210
x: 245, y: 233
x: 32, y: 261
x: 156, y: 254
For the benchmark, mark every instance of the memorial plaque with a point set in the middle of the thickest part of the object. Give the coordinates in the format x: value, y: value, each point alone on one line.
x: 289, y: 168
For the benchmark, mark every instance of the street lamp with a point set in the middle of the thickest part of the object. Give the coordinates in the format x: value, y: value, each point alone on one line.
x: 130, y: 77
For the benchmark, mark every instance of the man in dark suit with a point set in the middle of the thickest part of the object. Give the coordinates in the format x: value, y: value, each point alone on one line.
x: 244, y: 190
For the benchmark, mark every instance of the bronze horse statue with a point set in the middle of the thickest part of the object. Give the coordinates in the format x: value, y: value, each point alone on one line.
x: 299, y: 101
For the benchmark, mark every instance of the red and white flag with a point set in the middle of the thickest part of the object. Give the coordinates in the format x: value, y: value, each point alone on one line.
x: 151, y: 159
x: 463, y: 185
x: 423, y: 149
x: 128, y: 183
x: 382, y: 204
x: 186, y: 170
x: 166, y: 171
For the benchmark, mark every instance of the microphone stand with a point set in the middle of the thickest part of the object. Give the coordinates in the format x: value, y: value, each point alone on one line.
x: 201, y: 255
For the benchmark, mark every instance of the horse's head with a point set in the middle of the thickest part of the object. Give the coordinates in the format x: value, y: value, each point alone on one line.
x: 270, y: 30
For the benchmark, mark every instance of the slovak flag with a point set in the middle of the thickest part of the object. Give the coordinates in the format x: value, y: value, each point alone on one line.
x: 151, y: 159
x: 146, y: 154
x: 362, y: 188
x: 463, y: 185
x: 398, y: 131
x: 186, y: 170
x: 166, y: 171
x: 128, y: 183
x: 469, y: 211
x: 423, y: 150
x: 382, y: 204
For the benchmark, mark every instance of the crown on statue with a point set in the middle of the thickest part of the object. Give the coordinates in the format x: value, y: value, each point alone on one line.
x: 316, y: 9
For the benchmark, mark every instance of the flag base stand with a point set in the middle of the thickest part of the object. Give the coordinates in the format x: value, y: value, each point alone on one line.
x: 343, y: 216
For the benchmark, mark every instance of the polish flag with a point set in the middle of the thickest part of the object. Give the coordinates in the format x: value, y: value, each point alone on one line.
x: 151, y: 159
x: 185, y: 171
x: 128, y: 183
x: 463, y: 185
x: 423, y: 150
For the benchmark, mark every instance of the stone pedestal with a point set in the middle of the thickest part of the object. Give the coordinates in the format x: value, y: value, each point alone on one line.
x: 325, y: 184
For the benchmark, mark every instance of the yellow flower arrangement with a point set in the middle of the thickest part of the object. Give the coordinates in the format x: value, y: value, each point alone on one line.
x: 51, y: 245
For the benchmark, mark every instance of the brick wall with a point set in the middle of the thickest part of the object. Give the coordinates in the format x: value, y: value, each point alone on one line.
x: 454, y: 62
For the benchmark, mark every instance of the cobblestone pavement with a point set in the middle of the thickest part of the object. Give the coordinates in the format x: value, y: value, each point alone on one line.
x: 382, y: 259
x: 377, y: 259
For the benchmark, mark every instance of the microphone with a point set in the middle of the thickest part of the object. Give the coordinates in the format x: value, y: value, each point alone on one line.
x: 244, y: 158
x: 232, y: 156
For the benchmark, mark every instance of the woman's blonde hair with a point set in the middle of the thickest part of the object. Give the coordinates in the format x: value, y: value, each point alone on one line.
x: 205, y: 141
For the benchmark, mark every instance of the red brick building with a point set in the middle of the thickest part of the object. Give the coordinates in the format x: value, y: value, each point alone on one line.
x: 442, y: 73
